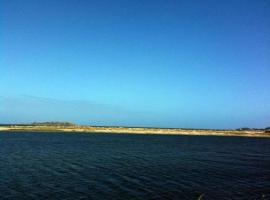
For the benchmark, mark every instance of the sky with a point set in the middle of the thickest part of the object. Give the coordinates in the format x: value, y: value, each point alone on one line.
x: 157, y: 63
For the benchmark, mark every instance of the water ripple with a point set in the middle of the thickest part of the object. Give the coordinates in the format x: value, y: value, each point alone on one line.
x: 80, y: 166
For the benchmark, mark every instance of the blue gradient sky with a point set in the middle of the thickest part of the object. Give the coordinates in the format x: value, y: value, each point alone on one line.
x: 197, y: 64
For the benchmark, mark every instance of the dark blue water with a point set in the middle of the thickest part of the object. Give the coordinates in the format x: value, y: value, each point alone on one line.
x: 91, y: 166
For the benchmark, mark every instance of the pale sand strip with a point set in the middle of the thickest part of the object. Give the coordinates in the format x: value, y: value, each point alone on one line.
x: 4, y: 128
x: 126, y: 130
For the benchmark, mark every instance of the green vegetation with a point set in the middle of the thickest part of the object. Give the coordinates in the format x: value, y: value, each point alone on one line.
x: 52, y: 124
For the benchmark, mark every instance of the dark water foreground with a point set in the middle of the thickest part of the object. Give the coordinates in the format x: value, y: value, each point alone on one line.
x: 90, y: 166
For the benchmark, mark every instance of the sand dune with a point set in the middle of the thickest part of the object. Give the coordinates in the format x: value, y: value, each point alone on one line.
x: 126, y: 130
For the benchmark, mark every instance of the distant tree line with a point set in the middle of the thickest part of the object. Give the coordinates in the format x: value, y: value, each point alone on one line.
x: 267, y: 129
x: 52, y: 124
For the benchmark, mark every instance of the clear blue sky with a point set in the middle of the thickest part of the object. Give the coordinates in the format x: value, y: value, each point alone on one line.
x: 197, y: 64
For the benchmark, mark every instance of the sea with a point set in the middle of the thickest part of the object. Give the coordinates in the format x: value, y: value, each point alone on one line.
x: 71, y: 166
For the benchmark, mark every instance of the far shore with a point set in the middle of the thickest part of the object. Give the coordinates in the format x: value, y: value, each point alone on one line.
x: 127, y: 130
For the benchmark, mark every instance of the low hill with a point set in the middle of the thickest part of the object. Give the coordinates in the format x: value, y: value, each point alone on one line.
x: 52, y: 124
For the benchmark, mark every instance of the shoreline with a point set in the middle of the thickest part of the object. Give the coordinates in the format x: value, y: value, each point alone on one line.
x: 140, y: 131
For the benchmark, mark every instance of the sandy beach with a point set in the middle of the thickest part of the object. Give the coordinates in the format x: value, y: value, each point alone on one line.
x: 127, y: 130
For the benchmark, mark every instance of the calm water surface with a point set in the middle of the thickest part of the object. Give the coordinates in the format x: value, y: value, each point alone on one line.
x: 91, y: 166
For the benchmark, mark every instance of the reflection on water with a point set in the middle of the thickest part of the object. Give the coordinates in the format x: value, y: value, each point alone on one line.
x: 91, y: 166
